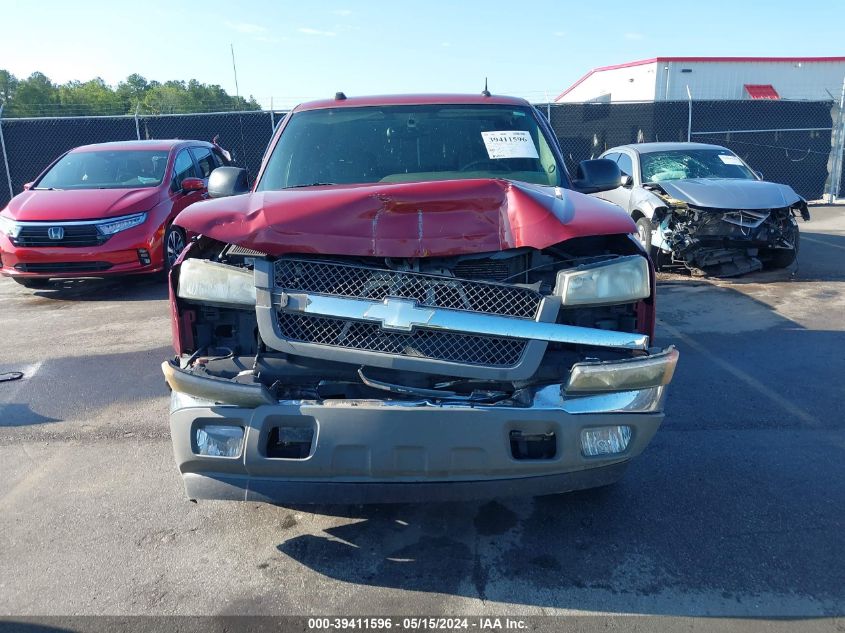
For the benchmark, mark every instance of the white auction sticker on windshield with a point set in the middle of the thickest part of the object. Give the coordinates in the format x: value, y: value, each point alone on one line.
x: 729, y: 159
x: 509, y: 144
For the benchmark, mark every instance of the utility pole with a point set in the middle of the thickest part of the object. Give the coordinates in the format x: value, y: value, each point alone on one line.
x: 235, y: 71
x: 838, y: 148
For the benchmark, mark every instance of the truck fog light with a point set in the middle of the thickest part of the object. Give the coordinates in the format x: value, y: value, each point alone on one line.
x: 605, y: 440
x: 218, y: 440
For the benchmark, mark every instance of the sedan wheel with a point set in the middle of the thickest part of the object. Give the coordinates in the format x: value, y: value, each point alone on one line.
x: 644, y: 229
x: 174, y: 244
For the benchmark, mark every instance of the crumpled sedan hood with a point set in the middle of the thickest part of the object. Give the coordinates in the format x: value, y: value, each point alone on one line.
x: 417, y: 219
x: 731, y: 193
x: 80, y: 204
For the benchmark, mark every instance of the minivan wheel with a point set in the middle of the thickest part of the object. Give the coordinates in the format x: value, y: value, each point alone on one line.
x: 174, y: 244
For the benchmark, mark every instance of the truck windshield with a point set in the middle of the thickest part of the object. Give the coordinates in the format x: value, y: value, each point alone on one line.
x: 111, y: 169
x: 694, y: 163
x: 411, y: 143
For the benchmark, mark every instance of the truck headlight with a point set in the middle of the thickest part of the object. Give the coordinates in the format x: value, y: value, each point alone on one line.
x: 9, y: 227
x: 621, y: 280
x: 116, y: 225
x: 211, y: 282
x: 623, y: 375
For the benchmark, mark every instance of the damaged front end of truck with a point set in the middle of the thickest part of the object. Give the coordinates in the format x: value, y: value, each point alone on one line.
x: 421, y: 370
x: 725, y: 241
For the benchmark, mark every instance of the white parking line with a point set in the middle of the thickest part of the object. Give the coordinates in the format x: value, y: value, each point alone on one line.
x: 815, y: 241
x: 743, y: 376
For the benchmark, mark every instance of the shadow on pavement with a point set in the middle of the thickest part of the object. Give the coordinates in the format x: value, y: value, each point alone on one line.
x: 736, y: 508
x: 127, y: 288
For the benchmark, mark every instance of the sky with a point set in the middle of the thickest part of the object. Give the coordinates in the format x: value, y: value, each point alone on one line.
x: 293, y: 52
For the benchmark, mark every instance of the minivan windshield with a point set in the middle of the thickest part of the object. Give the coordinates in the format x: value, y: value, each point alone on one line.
x: 414, y: 143
x: 106, y: 169
x: 693, y: 163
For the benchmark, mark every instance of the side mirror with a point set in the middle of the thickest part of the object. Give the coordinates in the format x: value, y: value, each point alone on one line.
x: 627, y: 181
x: 27, y: 186
x: 193, y: 184
x: 597, y: 175
x: 227, y: 181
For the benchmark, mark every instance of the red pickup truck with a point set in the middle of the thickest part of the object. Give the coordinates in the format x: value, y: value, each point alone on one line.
x: 414, y: 301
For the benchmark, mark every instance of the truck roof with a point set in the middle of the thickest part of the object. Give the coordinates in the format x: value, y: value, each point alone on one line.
x: 412, y: 99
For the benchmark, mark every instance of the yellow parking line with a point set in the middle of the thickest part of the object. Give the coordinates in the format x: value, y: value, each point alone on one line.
x: 743, y: 376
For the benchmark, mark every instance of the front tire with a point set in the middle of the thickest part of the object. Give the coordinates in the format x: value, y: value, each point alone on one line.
x: 32, y: 282
x: 174, y: 244
x: 781, y: 258
x: 644, y: 231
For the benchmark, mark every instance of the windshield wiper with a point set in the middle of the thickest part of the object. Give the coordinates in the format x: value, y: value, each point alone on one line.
x: 311, y: 184
x: 46, y: 189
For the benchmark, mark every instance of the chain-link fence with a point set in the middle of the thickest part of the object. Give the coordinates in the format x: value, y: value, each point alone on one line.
x: 787, y: 141
x: 798, y: 143
x: 30, y: 145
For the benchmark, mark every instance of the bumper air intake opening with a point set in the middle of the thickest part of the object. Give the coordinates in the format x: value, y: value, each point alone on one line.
x: 526, y: 446
x: 291, y: 438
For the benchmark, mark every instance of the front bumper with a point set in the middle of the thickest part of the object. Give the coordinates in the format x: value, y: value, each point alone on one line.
x: 373, y: 451
x: 119, y: 255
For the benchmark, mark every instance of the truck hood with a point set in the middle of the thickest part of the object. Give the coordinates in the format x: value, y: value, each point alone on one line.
x: 730, y: 193
x: 80, y: 204
x: 419, y: 219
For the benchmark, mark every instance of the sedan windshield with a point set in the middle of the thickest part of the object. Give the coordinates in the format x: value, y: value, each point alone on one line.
x: 111, y: 169
x: 409, y: 144
x: 693, y: 163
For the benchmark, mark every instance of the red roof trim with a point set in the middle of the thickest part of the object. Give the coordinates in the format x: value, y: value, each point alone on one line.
x: 655, y: 60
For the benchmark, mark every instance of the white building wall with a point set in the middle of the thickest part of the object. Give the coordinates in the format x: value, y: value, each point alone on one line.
x: 633, y: 83
x: 726, y: 80
x: 666, y: 80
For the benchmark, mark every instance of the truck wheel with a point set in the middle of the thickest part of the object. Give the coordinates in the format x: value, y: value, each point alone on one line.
x: 33, y: 282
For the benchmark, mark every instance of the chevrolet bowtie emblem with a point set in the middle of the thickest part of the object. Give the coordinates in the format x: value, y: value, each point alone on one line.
x: 399, y: 314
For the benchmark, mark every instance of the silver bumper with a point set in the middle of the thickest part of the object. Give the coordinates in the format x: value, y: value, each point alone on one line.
x: 386, y: 451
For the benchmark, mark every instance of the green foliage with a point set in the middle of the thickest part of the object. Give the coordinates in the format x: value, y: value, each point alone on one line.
x: 38, y: 96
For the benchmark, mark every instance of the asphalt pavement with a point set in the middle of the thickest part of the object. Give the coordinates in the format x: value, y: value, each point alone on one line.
x: 736, y: 511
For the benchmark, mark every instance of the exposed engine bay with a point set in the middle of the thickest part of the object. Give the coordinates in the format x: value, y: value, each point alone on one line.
x: 319, y: 357
x: 724, y: 242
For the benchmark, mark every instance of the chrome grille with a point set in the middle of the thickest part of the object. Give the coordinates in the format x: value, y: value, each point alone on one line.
x: 422, y: 343
x: 346, y: 280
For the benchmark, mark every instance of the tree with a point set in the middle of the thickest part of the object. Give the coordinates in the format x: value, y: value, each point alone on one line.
x: 38, y: 96
x: 34, y: 96
x: 8, y: 85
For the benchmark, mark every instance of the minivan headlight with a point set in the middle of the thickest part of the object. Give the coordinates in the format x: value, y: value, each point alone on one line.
x: 9, y: 227
x: 621, y: 280
x: 110, y: 227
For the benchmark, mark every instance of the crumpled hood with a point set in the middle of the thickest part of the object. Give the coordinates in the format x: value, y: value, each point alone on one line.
x: 80, y: 204
x: 419, y: 219
x: 731, y: 193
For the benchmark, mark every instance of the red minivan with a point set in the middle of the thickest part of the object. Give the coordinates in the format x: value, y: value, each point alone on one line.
x: 105, y: 209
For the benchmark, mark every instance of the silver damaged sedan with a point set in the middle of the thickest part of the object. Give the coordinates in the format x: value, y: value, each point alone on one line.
x: 701, y: 207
